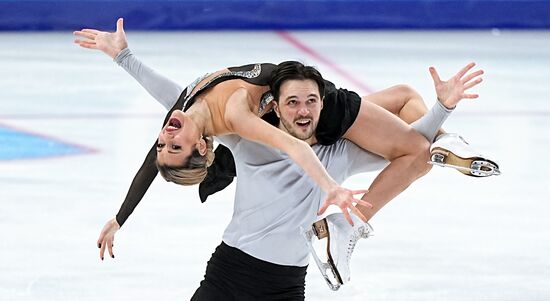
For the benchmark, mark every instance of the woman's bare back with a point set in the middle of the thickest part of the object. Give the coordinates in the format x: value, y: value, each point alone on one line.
x: 217, y: 97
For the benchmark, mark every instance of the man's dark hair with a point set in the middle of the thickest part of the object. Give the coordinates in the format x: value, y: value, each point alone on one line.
x: 292, y: 70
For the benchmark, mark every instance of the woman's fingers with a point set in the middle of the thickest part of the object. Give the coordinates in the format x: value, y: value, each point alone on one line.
x: 85, y: 35
x: 102, y: 250
x: 93, y: 31
x: 110, y: 249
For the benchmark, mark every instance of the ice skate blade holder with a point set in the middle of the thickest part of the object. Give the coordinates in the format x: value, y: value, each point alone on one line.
x: 475, y: 166
x: 320, y: 230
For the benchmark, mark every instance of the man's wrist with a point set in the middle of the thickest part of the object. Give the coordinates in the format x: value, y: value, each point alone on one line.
x: 444, y: 105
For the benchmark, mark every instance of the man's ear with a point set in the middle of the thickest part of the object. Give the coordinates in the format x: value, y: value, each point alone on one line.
x: 276, y: 109
x: 201, y: 146
x: 322, y: 102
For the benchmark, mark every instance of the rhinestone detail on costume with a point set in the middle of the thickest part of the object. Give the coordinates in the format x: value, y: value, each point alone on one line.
x: 255, y: 72
x: 267, y: 98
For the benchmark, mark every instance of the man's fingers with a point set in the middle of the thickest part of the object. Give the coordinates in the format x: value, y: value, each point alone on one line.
x: 363, y: 203
x: 463, y: 71
x: 323, y: 208
x: 470, y: 76
x: 348, y: 217
x: 359, y: 191
x: 358, y: 213
x: 435, y: 75
x: 473, y: 83
x: 470, y: 96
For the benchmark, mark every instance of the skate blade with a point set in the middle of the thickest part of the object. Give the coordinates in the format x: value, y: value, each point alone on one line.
x: 335, y: 283
x: 475, y: 167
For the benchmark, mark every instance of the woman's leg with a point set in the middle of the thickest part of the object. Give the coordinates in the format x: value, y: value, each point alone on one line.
x: 401, y: 100
x: 377, y: 130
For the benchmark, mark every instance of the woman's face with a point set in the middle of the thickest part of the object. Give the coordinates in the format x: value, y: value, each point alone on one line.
x: 177, y: 140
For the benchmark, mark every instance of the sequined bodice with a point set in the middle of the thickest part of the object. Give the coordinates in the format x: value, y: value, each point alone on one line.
x: 255, y: 72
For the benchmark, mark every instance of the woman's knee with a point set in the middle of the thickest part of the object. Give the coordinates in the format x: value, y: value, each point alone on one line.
x: 405, y: 91
x: 422, y: 156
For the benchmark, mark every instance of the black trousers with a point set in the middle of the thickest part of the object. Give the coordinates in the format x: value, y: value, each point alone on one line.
x: 232, y: 275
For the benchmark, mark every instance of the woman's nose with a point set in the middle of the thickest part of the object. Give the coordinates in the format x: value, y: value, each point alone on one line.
x: 168, y: 133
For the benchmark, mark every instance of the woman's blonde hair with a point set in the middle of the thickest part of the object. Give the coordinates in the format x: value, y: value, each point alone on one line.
x: 194, y: 169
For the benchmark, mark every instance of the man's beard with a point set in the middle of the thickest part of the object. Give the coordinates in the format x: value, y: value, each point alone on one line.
x: 293, y: 129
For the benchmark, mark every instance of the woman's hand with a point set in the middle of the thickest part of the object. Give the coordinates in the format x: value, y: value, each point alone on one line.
x: 107, y: 237
x: 111, y: 43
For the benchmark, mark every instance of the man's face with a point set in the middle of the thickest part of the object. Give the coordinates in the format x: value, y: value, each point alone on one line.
x: 299, y: 108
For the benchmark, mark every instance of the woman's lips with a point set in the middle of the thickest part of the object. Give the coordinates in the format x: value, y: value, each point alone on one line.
x: 173, y: 124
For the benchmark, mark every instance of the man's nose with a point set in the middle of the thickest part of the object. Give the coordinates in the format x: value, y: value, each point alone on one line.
x: 303, y: 111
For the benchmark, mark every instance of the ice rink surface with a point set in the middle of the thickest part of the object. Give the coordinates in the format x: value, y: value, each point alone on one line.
x: 448, y: 237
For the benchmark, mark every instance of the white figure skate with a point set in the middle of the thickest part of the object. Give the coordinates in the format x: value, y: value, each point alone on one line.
x: 341, y: 239
x: 451, y: 150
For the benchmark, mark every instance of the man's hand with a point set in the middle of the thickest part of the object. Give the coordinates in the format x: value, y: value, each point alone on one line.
x: 111, y: 43
x: 344, y: 199
x: 451, y: 92
x: 107, y: 237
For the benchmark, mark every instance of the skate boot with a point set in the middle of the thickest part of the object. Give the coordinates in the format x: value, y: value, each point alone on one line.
x: 451, y: 150
x: 341, y: 238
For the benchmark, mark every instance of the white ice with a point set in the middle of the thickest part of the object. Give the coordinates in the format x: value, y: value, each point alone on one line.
x: 448, y: 237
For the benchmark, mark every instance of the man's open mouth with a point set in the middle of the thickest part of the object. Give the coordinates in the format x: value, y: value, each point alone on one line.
x: 303, y: 122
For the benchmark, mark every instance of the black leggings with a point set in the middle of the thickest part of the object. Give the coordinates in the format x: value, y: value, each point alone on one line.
x: 232, y: 275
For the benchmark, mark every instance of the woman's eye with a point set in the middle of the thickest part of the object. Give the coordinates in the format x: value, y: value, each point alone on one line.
x: 160, y: 145
x: 176, y: 147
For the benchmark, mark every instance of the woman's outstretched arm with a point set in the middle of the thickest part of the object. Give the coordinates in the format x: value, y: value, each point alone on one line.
x: 115, y: 45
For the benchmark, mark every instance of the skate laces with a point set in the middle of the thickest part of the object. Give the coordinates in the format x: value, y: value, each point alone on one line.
x: 357, y: 234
